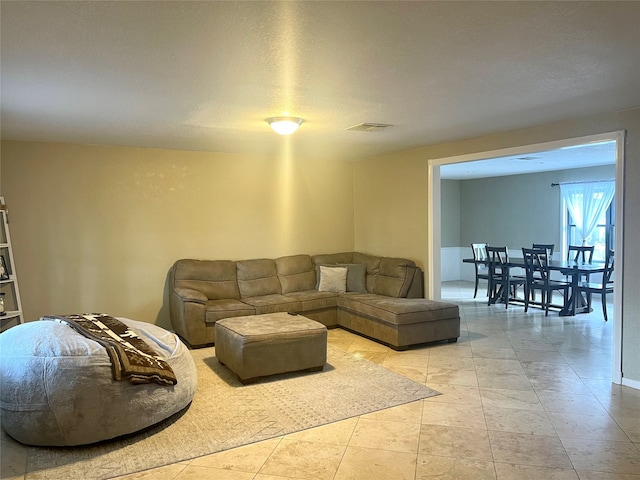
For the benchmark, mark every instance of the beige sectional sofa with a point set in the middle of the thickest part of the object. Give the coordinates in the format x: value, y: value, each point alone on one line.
x: 383, y: 297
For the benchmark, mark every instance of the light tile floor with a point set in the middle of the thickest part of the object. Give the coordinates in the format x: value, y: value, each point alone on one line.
x: 524, y: 397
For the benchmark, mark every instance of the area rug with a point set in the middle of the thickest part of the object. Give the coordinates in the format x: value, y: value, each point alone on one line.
x: 225, y: 414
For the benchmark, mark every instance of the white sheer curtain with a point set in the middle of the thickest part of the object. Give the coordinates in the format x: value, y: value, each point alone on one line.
x: 586, y: 203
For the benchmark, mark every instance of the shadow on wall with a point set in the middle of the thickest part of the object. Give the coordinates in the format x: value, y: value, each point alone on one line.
x: 163, y: 318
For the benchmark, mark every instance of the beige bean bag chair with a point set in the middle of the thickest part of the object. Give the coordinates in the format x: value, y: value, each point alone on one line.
x: 56, y: 385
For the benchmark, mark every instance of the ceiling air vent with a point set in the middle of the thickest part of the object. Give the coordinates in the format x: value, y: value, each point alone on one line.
x: 369, y: 127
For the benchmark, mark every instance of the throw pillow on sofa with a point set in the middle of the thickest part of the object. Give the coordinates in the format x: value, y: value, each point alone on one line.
x: 356, y: 274
x: 333, y: 279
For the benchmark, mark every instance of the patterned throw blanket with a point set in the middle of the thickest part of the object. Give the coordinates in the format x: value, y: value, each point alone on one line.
x: 131, y: 358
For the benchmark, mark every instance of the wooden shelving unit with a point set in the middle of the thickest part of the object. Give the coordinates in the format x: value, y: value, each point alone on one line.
x: 8, y: 278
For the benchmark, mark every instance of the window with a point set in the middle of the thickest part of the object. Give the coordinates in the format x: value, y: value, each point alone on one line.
x: 602, y: 237
x: 589, y: 213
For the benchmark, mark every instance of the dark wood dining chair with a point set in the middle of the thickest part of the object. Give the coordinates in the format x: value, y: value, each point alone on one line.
x: 603, y: 288
x: 501, y: 283
x: 482, y: 269
x: 549, y: 247
x: 536, y: 265
x: 581, y: 253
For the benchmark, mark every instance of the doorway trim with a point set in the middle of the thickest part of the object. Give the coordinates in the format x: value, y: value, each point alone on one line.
x: 434, y: 219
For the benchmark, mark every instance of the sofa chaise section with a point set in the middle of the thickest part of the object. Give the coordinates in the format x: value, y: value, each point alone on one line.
x: 399, y: 324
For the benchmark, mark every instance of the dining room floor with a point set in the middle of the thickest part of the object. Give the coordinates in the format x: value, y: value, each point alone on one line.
x: 524, y: 396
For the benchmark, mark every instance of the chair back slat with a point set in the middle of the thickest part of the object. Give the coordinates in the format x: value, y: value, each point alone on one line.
x: 481, y: 269
x: 536, y: 264
x: 608, y: 268
x: 549, y: 247
x: 479, y: 251
x: 498, y: 255
x: 580, y: 253
x: 497, y: 258
x: 501, y: 282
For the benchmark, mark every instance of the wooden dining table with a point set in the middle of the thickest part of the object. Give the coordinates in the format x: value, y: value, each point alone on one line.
x: 576, y: 303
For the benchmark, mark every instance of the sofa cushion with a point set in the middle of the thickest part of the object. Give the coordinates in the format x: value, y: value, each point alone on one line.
x: 372, y: 262
x: 257, y: 278
x: 215, y: 278
x: 398, y: 311
x: 333, y: 279
x: 274, y: 303
x: 373, y: 266
x: 314, y: 300
x: 296, y: 273
x: 218, y: 309
x: 394, y: 277
x: 333, y: 258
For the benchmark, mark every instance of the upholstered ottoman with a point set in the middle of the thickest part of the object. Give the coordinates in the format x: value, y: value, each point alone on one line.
x: 56, y: 385
x: 259, y: 345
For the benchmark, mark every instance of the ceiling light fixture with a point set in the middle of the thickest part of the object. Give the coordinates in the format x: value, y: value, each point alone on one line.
x: 284, y: 125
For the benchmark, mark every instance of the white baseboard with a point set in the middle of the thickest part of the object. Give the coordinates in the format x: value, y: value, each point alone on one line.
x: 631, y: 383
x: 452, y: 267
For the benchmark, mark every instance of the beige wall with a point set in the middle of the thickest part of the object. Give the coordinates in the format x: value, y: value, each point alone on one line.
x: 390, y: 201
x: 404, y: 201
x: 451, y: 212
x: 97, y: 228
x: 518, y: 210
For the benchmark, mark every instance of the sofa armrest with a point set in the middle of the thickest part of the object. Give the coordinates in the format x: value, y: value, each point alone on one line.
x: 190, y: 295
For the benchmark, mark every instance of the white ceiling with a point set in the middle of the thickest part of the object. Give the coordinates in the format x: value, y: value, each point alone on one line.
x: 578, y: 156
x: 205, y: 75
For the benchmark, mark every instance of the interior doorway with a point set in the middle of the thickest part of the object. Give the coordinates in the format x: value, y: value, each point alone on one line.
x: 433, y: 270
